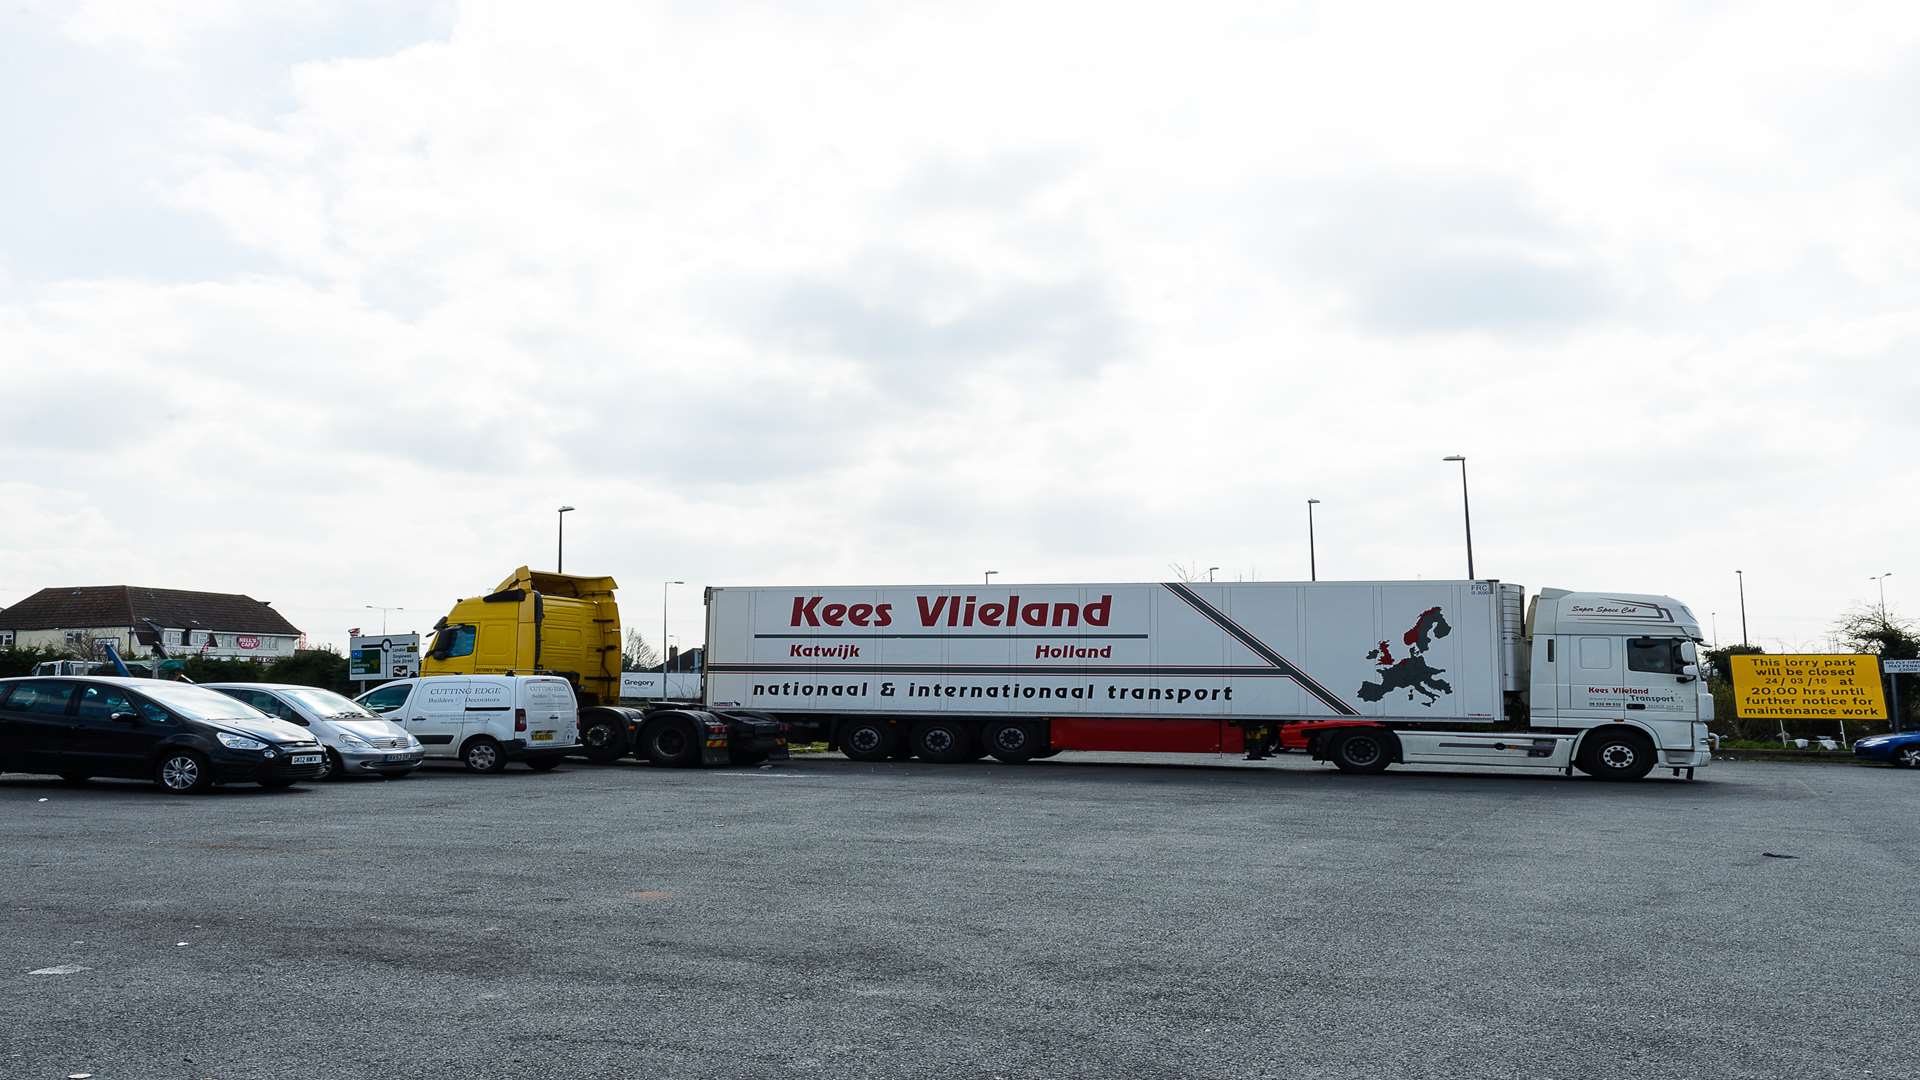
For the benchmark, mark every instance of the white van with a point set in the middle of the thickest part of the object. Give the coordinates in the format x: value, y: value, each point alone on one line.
x: 484, y: 720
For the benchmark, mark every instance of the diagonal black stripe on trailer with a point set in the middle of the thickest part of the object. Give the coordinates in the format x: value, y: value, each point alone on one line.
x: 1245, y: 637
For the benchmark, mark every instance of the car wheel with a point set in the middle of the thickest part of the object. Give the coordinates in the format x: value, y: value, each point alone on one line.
x: 182, y: 772
x: 603, y: 740
x: 544, y: 764
x: 332, y: 768
x: 868, y: 740
x: 1619, y: 755
x: 483, y: 755
x: 672, y: 743
x: 1909, y: 756
x: 1010, y: 740
x: 1362, y: 750
x: 945, y: 741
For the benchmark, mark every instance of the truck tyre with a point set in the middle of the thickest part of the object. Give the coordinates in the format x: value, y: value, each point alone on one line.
x: 1010, y: 740
x: 672, y: 744
x: 1617, y: 755
x: 868, y: 739
x: 1361, y: 750
x: 604, y: 740
x: 483, y: 755
x: 945, y: 741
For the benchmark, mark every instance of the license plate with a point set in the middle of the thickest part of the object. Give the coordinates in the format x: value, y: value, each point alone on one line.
x: 306, y: 759
x: 543, y: 736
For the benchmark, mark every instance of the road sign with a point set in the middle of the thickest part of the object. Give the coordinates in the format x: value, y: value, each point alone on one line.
x: 1901, y: 667
x: 1841, y: 686
x: 383, y: 656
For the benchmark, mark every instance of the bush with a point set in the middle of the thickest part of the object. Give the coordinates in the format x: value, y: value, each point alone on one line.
x: 21, y: 661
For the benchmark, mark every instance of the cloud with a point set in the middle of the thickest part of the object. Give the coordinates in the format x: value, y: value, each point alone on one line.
x: 335, y: 305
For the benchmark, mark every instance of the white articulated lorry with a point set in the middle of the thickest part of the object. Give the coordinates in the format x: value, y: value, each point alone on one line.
x: 1363, y: 674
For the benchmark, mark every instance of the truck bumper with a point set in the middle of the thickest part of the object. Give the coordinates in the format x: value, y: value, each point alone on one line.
x: 1685, y: 759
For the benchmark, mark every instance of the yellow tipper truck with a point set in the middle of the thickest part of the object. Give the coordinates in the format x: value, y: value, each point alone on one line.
x: 569, y: 625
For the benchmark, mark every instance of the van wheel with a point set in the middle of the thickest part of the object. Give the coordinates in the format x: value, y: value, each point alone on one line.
x: 1009, y: 740
x: 945, y: 741
x: 1361, y: 751
x: 483, y: 755
x: 1617, y: 755
x: 673, y: 744
x: 182, y: 772
x: 603, y: 740
x: 868, y: 740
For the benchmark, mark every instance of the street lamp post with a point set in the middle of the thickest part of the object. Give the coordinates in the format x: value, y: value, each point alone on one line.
x: 1742, y: 577
x: 1313, y: 562
x: 663, y: 635
x: 560, y: 550
x: 990, y: 574
x: 383, y: 615
x: 1466, y: 508
x: 1882, y: 579
x: 1210, y: 571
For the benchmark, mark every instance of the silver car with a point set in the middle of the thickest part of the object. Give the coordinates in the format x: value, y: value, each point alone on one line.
x: 358, y: 743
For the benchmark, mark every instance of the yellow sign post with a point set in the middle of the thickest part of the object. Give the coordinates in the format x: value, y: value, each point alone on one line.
x: 1837, y: 686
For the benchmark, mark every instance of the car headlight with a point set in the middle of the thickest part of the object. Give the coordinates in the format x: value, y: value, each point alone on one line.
x: 240, y: 742
x: 354, y: 742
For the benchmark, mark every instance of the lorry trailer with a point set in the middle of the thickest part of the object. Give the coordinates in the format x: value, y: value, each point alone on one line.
x: 1364, y: 674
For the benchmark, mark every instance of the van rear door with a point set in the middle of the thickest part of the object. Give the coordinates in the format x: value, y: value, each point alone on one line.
x: 552, y: 715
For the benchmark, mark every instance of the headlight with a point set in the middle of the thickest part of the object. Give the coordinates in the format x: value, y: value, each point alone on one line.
x: 240, y: 742
x: 412, y: 743
x: 354, y: 742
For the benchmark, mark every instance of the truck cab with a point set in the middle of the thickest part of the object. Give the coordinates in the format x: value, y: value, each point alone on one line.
x: 1618, y: 661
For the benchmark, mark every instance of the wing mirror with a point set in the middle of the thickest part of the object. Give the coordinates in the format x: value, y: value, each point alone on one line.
x: 1688, y: 672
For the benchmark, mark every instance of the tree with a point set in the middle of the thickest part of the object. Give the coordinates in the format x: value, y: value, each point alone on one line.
x: 1873, y: 630
x: 1720, y: 684
x: 636, y: 654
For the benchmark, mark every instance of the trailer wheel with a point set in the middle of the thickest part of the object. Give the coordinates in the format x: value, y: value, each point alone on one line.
x: 1361, y: 750
x: 945, y: 741
x: 672, y: 743
x: 1010, y: 740
x: 1617, y: 755
x: 604, y: 740
x: 867, y: 740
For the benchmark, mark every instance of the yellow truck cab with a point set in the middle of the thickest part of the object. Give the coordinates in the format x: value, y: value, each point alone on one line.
x: 563, y: 624
x: 540, y: 623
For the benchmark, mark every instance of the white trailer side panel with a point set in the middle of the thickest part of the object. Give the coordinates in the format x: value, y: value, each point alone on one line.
x: 1406, y: 650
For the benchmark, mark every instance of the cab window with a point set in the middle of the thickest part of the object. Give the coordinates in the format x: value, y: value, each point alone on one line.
x: 101, y: 702
x: 1659, y: 656
x: 454, y: 641
x: 387, y: 698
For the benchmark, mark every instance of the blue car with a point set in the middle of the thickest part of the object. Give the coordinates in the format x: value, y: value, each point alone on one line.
x: 1902, y: 749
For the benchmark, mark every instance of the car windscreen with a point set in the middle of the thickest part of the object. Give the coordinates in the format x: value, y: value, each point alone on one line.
x: 325, y: 703
x: 200, y: 701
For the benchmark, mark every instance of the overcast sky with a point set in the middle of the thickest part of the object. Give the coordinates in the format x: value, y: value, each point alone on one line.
x: 334, y: 305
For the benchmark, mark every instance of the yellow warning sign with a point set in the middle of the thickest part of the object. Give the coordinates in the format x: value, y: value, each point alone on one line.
x: 1843, y: 686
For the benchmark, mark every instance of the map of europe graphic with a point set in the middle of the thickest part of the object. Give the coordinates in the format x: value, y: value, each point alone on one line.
x: 1411, y: 673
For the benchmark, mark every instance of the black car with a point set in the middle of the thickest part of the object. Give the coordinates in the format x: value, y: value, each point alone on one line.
x: 183, y: 737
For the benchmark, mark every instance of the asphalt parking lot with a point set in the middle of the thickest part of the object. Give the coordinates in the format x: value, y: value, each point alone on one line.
x: 1074, y: 918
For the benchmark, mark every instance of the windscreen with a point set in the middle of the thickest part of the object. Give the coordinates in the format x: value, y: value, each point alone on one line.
x: 201, y: 702
x: 325, y: 703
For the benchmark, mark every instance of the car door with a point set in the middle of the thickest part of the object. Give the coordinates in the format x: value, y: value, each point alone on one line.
x: 112, y: 735
x: 40, y: 730
x: 439, y: 713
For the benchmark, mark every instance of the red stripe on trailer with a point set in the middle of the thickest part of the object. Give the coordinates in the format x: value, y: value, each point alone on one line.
x: 1297, y: 736
x: 1174, y: 736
